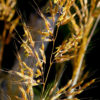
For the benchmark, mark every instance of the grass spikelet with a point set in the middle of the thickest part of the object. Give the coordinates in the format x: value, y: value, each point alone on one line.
x: 39, y: 62
x: 24, y: 96
x: 28, y: 50
x: 42, y: 53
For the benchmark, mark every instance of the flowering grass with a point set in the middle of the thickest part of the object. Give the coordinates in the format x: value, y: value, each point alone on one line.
x: 82, y: 21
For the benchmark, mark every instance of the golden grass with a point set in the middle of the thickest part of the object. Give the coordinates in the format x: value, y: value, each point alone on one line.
x: 73, y: 48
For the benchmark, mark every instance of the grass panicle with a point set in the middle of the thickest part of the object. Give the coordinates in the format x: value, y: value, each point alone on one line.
x: 83, y: 21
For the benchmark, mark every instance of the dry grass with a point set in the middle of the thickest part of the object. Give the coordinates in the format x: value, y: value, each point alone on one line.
x: 73, y: 48
x: 7, y: 13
